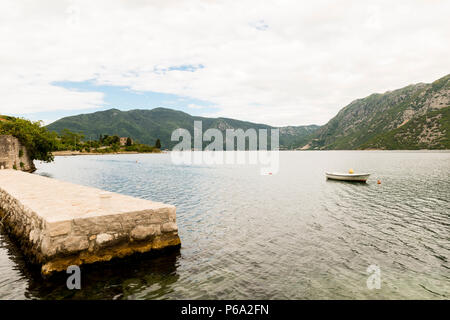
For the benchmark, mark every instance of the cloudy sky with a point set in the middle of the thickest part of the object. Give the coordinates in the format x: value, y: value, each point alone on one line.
x: 276, y: 62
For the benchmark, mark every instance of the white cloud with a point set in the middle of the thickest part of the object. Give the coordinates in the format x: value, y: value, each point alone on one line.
x: 196, y: 106
x: 279, y: 62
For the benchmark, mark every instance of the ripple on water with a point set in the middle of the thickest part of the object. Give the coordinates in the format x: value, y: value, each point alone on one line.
x: 292, y: 235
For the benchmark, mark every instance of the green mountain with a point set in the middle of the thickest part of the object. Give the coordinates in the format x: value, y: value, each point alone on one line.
x: 148, y: 125
x: 430, y: 131
x: 414, y: 117
x: 291, y: 137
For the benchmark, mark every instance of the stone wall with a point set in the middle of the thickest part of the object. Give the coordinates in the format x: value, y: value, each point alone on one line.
x: 13, y: 155
x: 59, y: 224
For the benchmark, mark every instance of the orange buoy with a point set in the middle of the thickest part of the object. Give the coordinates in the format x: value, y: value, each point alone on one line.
x: 379, y: 182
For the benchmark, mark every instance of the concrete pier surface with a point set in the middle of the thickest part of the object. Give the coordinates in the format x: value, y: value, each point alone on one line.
x: 59, y: 224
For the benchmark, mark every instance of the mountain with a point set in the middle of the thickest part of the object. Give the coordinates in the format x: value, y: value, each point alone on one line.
x: 414, y: 117
x: 148, y: 125
x: 292, y: 137
x: 430, y: 131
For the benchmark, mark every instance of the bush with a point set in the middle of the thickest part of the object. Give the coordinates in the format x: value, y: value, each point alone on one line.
x: 38, y: 141
x: 141, y: 148
x: 115, y: 147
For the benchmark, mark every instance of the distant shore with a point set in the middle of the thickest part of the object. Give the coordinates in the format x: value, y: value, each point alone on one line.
x: 78, y: 153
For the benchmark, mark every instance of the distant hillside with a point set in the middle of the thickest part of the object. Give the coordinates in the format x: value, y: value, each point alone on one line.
x: 291, y: 137
x: 430, y: 131
x: 414, y: 117
x: 148, y: 125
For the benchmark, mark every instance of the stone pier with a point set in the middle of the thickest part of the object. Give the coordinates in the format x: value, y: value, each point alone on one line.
x: 59, y: 224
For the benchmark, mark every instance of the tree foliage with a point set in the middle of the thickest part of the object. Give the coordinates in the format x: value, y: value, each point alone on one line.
x: 129, y: 142
x: 71, y: 138
x: 158, y: 144
x: 37, y: 139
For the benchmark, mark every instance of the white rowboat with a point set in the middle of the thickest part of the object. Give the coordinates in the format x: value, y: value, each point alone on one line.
x: 359, y: 177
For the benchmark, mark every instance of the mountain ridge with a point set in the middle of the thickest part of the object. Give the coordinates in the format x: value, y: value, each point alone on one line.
x: 147, y: 125
x: 362, y: 123
x: 413, y: 117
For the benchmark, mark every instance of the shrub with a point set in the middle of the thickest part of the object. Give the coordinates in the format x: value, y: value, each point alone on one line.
x: 38, y: 141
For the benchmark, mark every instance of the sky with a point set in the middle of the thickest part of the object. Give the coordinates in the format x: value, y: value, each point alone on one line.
x: 277, y: 62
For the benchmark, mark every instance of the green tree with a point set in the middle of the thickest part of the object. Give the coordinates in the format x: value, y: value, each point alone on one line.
x: 110, y: 140
x: 103, y: 139
x: 115, y: 147
x: 158, y: 144
x: 129, y: 142
x: 71, y: 140
x: 115, y: 140
x: 38, y: 141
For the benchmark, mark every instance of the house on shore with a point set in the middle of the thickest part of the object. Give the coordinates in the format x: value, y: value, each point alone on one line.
x: 123, y: 141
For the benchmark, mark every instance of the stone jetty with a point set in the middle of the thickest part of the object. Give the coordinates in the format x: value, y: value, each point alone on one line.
x: 59, y: 224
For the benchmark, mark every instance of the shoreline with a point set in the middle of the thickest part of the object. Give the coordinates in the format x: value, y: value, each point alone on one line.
x: 78, y: 153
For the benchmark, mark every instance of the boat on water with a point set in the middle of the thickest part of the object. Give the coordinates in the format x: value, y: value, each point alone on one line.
x: 356, y: 177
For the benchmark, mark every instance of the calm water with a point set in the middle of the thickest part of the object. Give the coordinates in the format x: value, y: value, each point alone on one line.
x: 292, y: 235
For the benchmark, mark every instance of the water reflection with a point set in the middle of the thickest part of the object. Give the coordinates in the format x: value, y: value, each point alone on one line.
x: 142, y: 276
x: 45, y: 174
x: 358, y: 183
x: 292, y: 235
